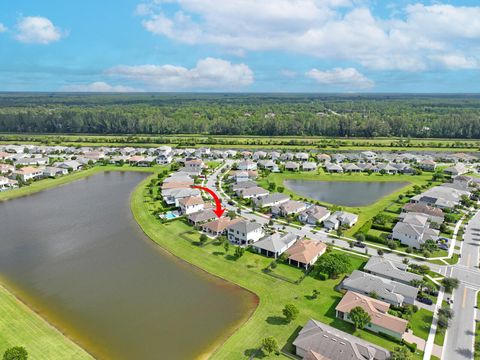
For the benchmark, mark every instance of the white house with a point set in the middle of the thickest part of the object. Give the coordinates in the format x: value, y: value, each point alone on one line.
x: 191, y: 205
x: 245, y: 232
x: 28, y: 173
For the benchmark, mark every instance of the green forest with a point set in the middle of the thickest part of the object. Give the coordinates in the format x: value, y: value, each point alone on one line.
x: 367, y: 116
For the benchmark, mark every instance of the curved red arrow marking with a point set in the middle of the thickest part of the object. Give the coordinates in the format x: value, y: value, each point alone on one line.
x: 219, y: 210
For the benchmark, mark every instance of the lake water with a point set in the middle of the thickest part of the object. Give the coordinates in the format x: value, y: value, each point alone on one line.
x: 345, y: 193
x: 76, y: 255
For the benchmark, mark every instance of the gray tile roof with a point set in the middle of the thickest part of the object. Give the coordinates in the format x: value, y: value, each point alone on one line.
x: 334, y: 344
x: 276, y: 242
x: 390, y: 269
x: 245, y: 227
x: 388, y: 290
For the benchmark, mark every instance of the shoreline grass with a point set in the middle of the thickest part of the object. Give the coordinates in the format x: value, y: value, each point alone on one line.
x: 273, y: 293
x: 21, y: 326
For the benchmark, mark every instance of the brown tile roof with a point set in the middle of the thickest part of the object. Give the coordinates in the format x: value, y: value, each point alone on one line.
x: 191, y: 200
x: 220, y: 224
x: 305, y: 251
x: 176, y: 185
x: 378, y: 311
x: 27, y: 170
x: 423, y: 209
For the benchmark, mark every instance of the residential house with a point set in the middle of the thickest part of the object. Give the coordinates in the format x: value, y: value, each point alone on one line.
x: 333, y: 168
x: 252, y: 192
x: 71, y: 164
x: 391, y: 270
x: 27, y: 173
x: 173, y: 196
x: 164, y: 159
x: 368, y: 155
x: 6, y: 168
x: 309, y: 166
x: 243, y: 185
x: 392, y: 292
x: 190, y: 205
x: 349, y: 167
x: 194, y: 166
x: 435, y: 215
x: 381, y: 321
x: 51, y: 171
x: 340, y: 218
x: 271, y: 200
x: 290, y: 207
x: 304, y: 253
x: 218, y: 226
x: 318, y: 341
x: 245, y: 232
x: 301, y: 156
x: 441, y: 196
x: 314, y: 215
x: 324, y: 158
x: 427, y: 165
x: 275, y: 245
x: 414, y: 230
x: 201, y: 217
x: 457, y: 169
x: 292, y: 166
x: 247, y: 165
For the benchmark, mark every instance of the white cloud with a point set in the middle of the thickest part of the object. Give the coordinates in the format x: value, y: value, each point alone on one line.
x: 419, y: 37
x: 288, y: 73
x: 347, y: 78
x: 37, y: 30
x: 209, y: 73
x: 3, y: 28
x: 99, y: 86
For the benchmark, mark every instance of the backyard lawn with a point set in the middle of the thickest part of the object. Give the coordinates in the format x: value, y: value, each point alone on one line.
x: 248, y: 272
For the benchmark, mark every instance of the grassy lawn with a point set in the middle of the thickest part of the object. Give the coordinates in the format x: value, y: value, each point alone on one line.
x: 365, y: 212
x: 420, y: 323
x: 273, y: 293
x: 20, y: 326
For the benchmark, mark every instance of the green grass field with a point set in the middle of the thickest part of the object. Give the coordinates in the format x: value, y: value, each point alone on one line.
x: 273, y: 293
x: 365, y: 212
x: 20, y: 326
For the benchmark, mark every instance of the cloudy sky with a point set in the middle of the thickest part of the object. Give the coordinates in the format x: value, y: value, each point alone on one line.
x: 240, y: 45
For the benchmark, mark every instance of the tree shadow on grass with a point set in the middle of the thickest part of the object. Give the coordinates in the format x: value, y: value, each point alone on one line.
x: 231, y: 257
x: 254, y: 353
x: 218, y: 253
x: 276, y: 320
x: 288, y: 347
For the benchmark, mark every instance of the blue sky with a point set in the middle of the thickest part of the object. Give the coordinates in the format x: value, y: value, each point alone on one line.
x: 240, y: 45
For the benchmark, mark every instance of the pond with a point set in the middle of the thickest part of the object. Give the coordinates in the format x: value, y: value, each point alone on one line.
x: 344, y: 193
x: 76, y: 256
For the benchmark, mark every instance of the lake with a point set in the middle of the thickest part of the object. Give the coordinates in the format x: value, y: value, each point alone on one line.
x: 344, y: 193
x: 76, y: 255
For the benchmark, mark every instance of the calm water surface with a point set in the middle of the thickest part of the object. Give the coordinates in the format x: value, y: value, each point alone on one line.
x: 75, y: 254
x: 345, y: 193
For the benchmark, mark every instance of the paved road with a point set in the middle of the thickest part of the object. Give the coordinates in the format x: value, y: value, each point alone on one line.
x: 461, y: 334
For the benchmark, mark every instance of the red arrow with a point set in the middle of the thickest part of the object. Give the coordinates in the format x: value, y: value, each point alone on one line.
x: 219, y: 210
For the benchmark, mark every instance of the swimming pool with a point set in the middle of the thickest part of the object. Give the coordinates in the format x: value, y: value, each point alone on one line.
x: 169, y: 215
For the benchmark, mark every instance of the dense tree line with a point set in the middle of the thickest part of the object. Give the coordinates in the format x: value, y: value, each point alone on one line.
x: 421, y: 116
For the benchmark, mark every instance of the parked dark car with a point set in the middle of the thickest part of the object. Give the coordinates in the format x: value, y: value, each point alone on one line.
x: 360, y: 244
x: 424, y: 300
x: 443, y: 246
x: 231, y: 203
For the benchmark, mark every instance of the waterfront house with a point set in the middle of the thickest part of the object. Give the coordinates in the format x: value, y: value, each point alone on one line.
x: 201, y: 217
x: 290, y: 207
x: 218, y: 226
x: 252, y: 192
x: 309, y: 166
x: 190, y: 205
x: 244, y: 232
x: 340, y: 218
x: 27, y: 173
x: 318, y: 341
x: 275, y: 245
x: 304, y: 253
x: 292, y: 166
